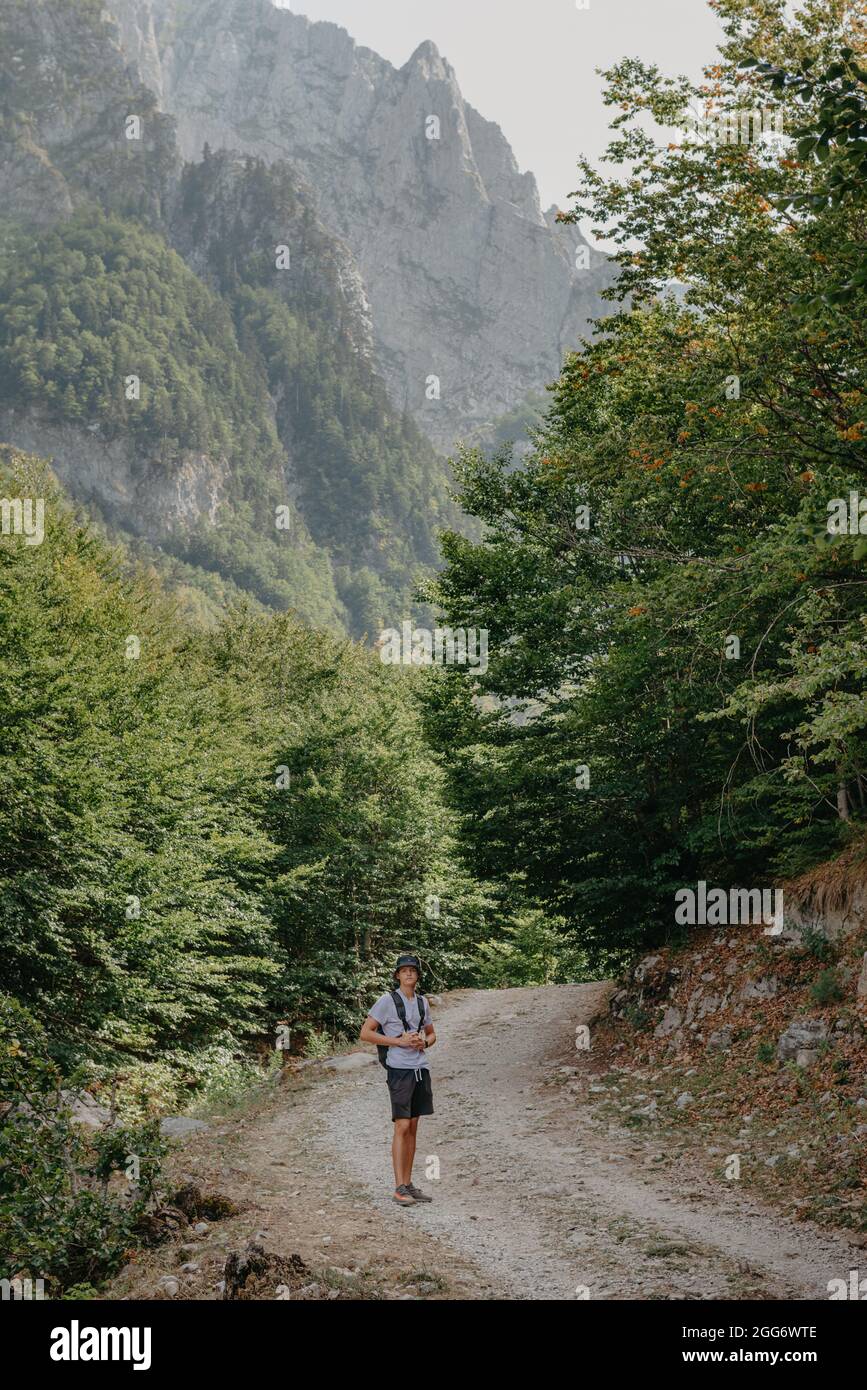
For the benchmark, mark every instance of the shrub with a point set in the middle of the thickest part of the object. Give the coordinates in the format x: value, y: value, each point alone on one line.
x: 825, y: 989
x: 226, y: 1079
x: 816, y: 943
x: 64, y: 1215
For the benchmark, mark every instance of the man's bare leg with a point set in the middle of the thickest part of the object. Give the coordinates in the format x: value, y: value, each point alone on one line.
x: 400, y: 1151
x: 410, y: 1148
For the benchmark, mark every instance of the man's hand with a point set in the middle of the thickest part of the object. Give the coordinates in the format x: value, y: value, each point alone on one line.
x: 414, y: 1040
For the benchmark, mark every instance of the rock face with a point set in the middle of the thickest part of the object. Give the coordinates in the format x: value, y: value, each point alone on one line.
x: 469, y: 281
x: 129, y: 489
x: 67, y: 94
x: 803, y: 1036
x: 83, y: 135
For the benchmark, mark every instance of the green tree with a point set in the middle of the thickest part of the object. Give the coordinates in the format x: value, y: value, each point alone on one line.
x: 686, y: 649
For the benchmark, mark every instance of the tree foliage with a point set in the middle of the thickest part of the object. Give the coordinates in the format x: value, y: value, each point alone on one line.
x: 699, y: 649
x: 163, y: 886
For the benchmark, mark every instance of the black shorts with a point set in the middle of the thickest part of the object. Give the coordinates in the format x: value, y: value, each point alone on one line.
x: 409, y: 1096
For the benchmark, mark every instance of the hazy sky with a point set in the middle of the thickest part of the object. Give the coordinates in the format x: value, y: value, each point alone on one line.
x: 530, y: 65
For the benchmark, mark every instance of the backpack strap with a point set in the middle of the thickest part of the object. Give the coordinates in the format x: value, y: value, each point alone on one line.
x: 401, y: 1011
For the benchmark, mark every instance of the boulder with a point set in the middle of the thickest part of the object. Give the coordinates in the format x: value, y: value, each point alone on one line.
x: 671, y: 1021
x: 86, y: 1110
x: 765, y: 988
x: 803, y: 1034
x: 721, y: 1040
x: 353, y: 1061
x: 175, y: 1126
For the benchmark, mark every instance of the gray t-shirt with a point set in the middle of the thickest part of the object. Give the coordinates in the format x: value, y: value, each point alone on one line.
x: 385, y: 1013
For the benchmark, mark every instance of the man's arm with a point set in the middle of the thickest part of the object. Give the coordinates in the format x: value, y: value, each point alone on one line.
x: 370, y: 1034
x: 427, y: 1032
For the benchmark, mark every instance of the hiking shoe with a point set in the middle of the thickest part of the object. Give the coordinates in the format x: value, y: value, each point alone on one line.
x: 404, y: 1197
x: 416, y: 1195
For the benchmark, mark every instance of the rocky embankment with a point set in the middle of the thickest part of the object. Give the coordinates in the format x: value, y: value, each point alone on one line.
x: 749, y: 1050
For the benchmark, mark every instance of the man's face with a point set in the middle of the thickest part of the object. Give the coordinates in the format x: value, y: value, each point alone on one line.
x: 407, y: 974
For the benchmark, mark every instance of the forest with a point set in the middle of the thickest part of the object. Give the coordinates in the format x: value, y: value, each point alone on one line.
x: 693, y: 662
x: 210, y: 828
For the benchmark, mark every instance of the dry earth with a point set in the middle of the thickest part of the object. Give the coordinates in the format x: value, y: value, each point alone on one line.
x: 537, y: 1196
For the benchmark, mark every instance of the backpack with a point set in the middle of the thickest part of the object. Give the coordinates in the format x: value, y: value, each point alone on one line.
x: 401, y: 1013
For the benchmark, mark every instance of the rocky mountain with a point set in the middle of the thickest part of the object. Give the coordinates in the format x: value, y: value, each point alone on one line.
x: 469, y: 281
x: 249, y: 270
x: 189, y: 344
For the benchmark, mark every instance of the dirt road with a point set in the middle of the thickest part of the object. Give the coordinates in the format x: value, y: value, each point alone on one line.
x: 549, y: 1203
x: 535, y: 1197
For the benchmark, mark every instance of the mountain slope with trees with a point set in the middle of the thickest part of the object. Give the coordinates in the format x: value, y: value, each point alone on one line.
x: 257, y: 387
x: 202, y: 831
x: 660, y: 581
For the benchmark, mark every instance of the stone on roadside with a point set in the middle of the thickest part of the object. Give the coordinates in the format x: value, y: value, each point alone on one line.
x: 176, y: 1126
x: 353, y: 1061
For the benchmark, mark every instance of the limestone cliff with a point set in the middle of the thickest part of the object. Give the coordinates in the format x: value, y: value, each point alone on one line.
x: 279, y: 350
x: 469, y: 281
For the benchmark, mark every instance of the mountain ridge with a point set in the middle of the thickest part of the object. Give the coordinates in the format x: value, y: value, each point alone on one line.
x: 256, y: 385
x: 469, y: 280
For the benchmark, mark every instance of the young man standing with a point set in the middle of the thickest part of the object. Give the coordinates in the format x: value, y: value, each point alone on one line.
x: 407, y: 1071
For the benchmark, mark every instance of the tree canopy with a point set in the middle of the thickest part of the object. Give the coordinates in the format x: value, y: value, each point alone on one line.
x: 661, y: 587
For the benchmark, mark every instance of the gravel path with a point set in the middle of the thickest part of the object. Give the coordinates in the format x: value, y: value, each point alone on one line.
x: 548, y: 1201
